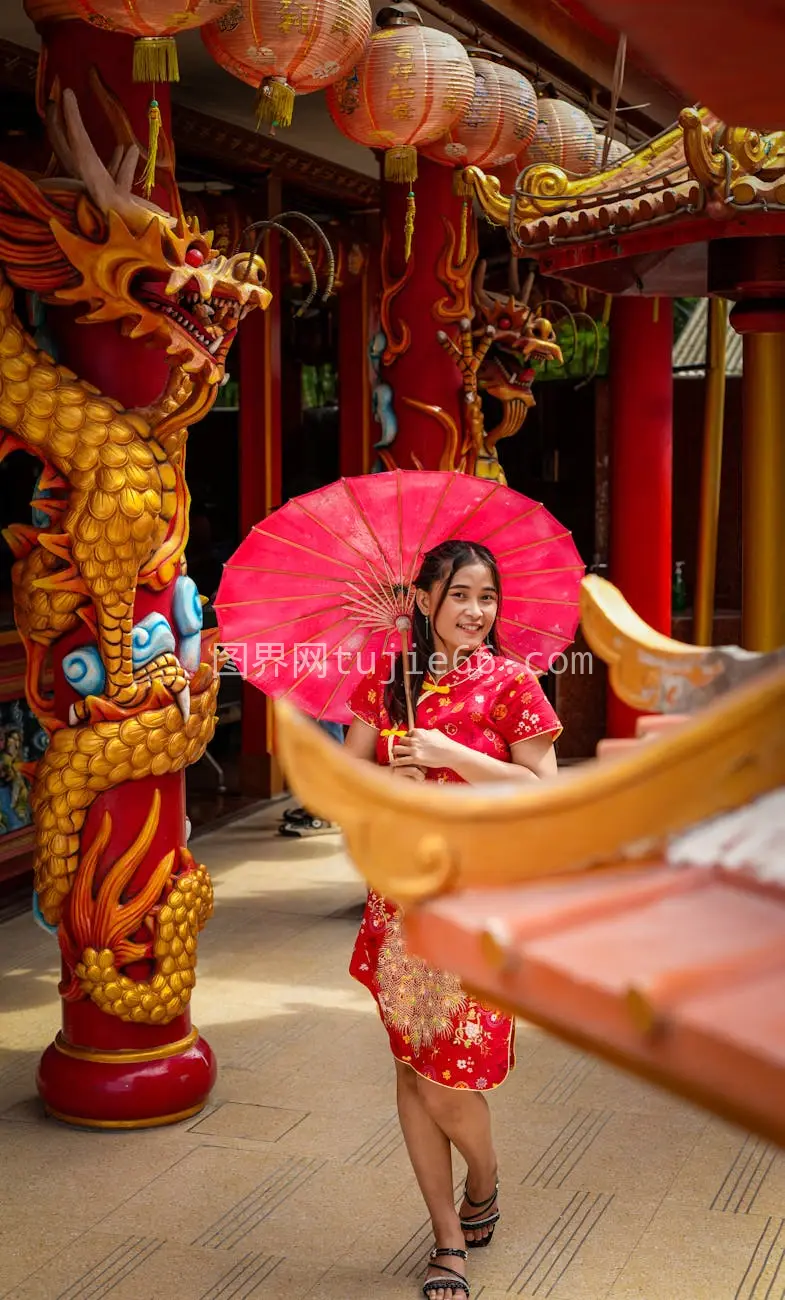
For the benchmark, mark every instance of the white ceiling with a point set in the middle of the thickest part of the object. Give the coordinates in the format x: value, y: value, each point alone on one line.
x: 206, y: 87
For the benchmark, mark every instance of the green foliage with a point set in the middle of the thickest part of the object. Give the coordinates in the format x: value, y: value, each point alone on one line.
x: 584, y: 351
x: 682, y: 311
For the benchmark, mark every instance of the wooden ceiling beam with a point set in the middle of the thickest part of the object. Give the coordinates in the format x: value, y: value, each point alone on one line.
x: 244, y: 151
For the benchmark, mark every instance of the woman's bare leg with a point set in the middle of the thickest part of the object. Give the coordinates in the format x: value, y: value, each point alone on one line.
x: 429, y: 1151
x: 464, y: 1118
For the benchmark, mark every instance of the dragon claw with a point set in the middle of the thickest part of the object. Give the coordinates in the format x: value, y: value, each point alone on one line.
x: 156, y: 688
x: 183, y: 702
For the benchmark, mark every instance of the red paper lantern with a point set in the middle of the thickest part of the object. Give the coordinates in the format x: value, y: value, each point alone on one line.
x: 409, y: 89
x: 499, y: 123
x: 617, y: 151
x: 564, y: 137
x: 155, y: 23
x: 289, y: 47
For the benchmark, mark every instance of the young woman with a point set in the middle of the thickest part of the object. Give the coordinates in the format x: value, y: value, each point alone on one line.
x: 479, y: 717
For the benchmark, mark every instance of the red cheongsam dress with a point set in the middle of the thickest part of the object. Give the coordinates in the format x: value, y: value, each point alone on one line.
x: 488, y: 704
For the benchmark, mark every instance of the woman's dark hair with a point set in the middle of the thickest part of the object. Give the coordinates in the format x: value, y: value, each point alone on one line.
x: 439, y: 566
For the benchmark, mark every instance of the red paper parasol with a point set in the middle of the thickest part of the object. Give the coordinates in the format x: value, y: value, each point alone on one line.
x: 323, y: 587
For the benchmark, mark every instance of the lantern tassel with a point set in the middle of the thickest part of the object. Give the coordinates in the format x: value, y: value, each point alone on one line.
x: 400, y: 164
x: 460, y: 186
x: 408, y: 225
x: 155, y: 59
x: 464, y: 240
x: 274, y: 102
x: 154, y: 122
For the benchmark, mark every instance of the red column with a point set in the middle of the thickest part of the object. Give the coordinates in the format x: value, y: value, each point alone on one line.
x: 425, y: 381
x: 353, y: 373
x: 259, y: 345
x: 124, y: 368
x: 103, y: 1070
x: 641, y: 384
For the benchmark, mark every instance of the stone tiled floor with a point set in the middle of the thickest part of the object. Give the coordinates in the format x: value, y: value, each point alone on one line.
x: 294, y: 1181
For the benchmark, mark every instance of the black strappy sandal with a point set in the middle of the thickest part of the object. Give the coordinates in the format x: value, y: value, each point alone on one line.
x: 451, y: 1279
x: 475, y: 1221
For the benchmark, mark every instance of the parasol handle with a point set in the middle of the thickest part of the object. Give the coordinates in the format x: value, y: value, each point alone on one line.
x: 404, y: 627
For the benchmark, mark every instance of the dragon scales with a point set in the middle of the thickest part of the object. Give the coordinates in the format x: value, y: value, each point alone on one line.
x: 103, y: 603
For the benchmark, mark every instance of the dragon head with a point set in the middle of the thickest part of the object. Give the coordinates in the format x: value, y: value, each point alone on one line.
x: 520, y: 338
x: 88, y: 239
x: 157, y: 275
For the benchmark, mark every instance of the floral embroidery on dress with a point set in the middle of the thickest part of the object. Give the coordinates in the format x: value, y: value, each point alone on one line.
x: 470, y: 1033
x: 432, y: 1023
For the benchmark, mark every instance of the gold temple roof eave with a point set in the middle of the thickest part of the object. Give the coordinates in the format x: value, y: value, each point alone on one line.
x: 546, y: 188
x: 696, y: 161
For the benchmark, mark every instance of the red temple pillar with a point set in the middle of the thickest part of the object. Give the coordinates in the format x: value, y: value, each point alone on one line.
x: 641, y: 398
x: 259, y: 346
x: 420, y: 384
x: 112, y: 1070
x: 354, y: 402
x: 71, y: 52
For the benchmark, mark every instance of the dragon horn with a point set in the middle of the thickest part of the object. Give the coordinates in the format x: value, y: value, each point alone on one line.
x: 55, y: 130
x: 479, y: 282
x: 528, y: 285
x: 90, y: 169
x: 126, y: 136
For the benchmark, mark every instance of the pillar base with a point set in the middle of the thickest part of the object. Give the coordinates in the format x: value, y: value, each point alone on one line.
x: 126, y: 1089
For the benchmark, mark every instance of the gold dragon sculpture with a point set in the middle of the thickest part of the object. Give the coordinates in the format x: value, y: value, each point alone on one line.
x: 112, y: 521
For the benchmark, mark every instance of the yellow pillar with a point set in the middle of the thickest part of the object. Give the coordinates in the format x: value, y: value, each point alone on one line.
x: 713, y: 423
x: 763, y: 493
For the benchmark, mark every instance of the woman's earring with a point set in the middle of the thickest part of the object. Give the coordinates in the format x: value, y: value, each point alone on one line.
x: 427, y: 626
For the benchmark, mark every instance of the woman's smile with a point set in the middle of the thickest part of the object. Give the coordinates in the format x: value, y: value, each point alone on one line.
x: 466, y: 610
